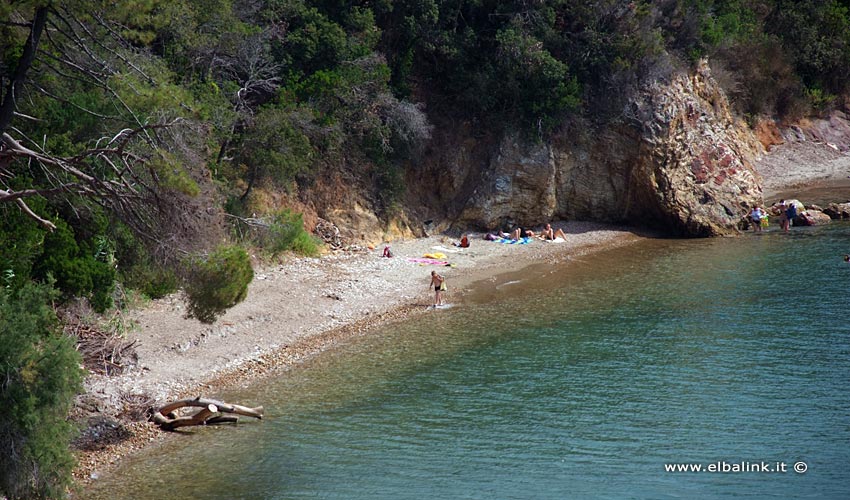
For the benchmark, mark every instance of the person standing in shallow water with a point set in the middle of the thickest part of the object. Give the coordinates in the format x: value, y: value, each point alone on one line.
x: 784, y: 223
x: 439, y: 284
x: 791, y: 212
x: 756, y: 216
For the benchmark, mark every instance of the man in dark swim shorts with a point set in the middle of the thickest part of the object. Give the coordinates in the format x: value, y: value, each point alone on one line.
x: 439, y: 284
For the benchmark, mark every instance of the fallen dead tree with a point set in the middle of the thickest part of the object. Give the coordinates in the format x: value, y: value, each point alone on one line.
x: 210, y: 413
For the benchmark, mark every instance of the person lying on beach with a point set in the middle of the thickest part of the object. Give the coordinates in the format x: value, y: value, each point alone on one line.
x: 514, y: 235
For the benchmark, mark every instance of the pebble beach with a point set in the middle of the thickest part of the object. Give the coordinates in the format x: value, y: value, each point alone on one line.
x: 298, y: 308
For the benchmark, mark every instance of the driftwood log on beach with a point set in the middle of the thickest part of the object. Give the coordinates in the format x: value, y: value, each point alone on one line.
x: 209, y: 413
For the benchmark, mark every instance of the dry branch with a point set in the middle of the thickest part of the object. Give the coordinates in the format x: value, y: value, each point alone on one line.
x: 103, y: 352
x: 210, y: 413
x: 221, y: 419
x: 131, y: 190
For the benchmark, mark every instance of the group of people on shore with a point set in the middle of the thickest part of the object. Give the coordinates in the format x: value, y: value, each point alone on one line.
x: 787, y: 213
x: 438, y: 281
x: 547, y: 233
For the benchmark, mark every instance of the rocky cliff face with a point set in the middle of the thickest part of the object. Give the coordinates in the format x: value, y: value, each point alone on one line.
x: 694, y: 173
x: 680, y: 162
x: 677, y: 160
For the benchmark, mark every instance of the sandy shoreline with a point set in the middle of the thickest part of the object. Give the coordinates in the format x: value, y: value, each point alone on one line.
x: 304, y: 306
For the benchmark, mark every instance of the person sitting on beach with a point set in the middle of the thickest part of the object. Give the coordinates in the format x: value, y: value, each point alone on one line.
x: 516, y: 234
x: 464, y: 242
x: 387, y: 251
x: 550, y: 234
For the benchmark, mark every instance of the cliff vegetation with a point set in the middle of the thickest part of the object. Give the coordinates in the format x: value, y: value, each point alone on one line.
x: 152, y: 145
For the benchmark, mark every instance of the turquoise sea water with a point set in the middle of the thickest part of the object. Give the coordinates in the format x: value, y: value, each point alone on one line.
x: 579, y: 381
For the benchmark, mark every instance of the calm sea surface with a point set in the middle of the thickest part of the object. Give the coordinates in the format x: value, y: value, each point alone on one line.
x: 579, y: 381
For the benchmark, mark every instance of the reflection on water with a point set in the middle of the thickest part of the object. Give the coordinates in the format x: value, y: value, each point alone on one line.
x: 576, y: 381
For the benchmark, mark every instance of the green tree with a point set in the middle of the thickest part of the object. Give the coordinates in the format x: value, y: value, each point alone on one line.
x: 76, y: 269
x: 817, y: 36
x: 40, y: 374
x: 218, y: 282
x: 531, y: 82
x: 274, y: 148
x: 102, y: 110
x: 20, y: 242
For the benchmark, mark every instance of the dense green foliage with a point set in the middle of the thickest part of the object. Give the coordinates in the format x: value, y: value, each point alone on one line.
x: 135, y: 116
x: 79, y: 272
x: 277, y: 93
x: 784, y: 58
x: 220, y: 282
x: 286, y: 233
x: 777, y: 53
x: 40, y: 373
x: 20, y: 241
x: 78, y: 267
x: 274, y: 234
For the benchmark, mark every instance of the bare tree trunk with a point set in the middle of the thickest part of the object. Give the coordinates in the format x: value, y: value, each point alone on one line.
x: 7, y: 108
x: 209, y: 413
x: 222, y: 419
x: 251, y: 179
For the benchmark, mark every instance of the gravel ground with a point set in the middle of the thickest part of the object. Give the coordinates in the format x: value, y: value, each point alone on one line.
x: 293, y: 311
x: 801, y: 164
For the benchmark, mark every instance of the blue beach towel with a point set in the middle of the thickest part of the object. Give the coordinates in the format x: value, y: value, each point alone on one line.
x: 521, y: 241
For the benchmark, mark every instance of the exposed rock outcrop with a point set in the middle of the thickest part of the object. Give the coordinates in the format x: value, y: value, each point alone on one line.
x: 832, y: 130
x: 838, y: 211
x: 811, y: 218
x: 695, y: 173
x: 676, y: 159
x: 341, y: 202
x: 768, y: 133
x: 812, y: 151
x: 519, y: 188
x: 681, y: 162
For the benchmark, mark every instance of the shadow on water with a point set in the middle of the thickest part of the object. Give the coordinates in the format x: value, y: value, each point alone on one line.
x: 576, y: 380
